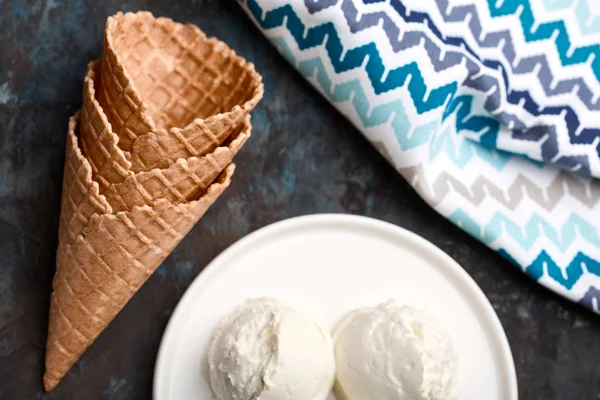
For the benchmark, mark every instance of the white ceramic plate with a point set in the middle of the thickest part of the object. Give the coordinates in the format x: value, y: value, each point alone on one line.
x: 329, y: 265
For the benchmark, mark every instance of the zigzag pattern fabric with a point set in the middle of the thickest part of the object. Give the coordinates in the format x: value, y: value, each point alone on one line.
x: 489, y: 109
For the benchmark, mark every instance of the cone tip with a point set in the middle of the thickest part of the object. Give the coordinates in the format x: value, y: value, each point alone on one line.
x: 50, y: 381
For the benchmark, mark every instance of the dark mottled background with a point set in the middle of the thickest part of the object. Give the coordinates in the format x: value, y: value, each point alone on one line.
x: 302, y: 158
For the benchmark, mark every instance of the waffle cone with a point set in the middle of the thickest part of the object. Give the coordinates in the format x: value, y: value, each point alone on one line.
x: 181, y: 182
x: 104, y: 257
x: 164, y: 112
x: 158, y: 74
x: 158, y: 150
x: 81, y: 196
x: 111, y: 165
x: 99, y: 143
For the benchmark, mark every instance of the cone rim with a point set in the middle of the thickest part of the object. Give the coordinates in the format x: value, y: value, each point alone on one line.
x: 245, y: 107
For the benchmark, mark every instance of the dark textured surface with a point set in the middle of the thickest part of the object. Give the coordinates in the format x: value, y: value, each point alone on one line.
x: 302, y: 158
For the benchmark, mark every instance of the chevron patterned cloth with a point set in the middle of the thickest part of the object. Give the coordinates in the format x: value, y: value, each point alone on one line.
x: 490, y: 109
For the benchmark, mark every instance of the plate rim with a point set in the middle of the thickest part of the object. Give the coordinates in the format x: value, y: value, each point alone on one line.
x: 300, y: 222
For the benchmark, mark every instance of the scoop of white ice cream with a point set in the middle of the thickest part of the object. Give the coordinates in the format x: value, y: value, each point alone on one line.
x: 266, y: 350
x: 394, y: 352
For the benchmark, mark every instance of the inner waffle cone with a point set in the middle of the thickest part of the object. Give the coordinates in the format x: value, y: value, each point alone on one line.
x: 110, y: 163
x: 182, y: 181
x: 99, y: 143
x: 105, y: 257
x: 179, y: 183
x: 158, y: 74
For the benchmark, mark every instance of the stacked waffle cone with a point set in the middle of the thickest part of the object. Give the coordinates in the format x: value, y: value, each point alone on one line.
x: 164, y: 112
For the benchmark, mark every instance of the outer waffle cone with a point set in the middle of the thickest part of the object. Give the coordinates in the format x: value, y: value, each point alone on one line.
x: 158, y: 74
x: 109, y: 259
x: 81, y: 197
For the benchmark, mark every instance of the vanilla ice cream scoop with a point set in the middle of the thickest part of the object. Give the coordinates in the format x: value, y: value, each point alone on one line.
x: 266, y: 350
x: 393, y: 351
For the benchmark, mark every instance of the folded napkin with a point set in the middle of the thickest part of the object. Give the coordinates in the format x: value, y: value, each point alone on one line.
x: 490, y: 109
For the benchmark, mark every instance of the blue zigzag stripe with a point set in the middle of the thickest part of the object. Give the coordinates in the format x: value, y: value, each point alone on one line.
x: 526, y: 235
x: 557, y: 5
x: 463, y: 103
x: 515, y: 97
x: 582, y: 12
x: 458, y: 104
x: 534, y: 229
x: 369, y: 118
x: 392, y: 31
x: 545, y: 265
x: 545, y: 31
x: 355, y: 57
x: 550, y: 146
x: 424, y: 18
x: 508, y: 7
x: 460, y: 153
x: 550, y: 85
x: 381, y: 114
x: 307, y: 38
x: 499, y: 224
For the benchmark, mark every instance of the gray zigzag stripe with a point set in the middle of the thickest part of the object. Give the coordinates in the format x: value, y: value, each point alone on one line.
x: 408, y: 39
x: 314, y: 6
x: 491, y: 40
x: 521, y: 188
x: 525, y: 65
x: 482, y: 83
x: 588, y: 195
x: 589, y: 297
x: 476, y: 78
x: 549, y: 146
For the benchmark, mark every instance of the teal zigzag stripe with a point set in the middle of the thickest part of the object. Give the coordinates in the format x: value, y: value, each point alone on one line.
x: 557, y: 5
x: 378, y: 115
x: 526, y: 235
x: 395, y: 112
x: 460, y: 105
x: 545, y: 30
x: 567, y: 276
x: 348, y: 59
x: 461, y: 152
x: 500, y: 224
x: 582, y: 12
x: 535, y: 228
x: 572, y: 273
x: 367, y: 57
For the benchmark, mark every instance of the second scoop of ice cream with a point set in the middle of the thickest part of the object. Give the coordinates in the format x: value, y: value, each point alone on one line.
x: 394, y: 352
x: 266, y: 350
